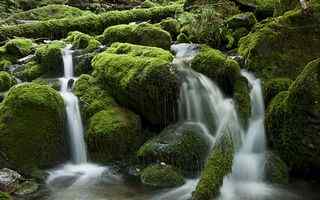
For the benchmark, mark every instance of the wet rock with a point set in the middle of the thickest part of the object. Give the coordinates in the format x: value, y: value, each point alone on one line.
x: 9, y: 180
x: 27, y: 188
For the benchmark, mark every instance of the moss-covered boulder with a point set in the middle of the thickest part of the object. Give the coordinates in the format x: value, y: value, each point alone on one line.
x: 292, y: 122
x: 262, y: 8
x: 172, y: 26
x: 113, y: 134
x: 143, y: 34
x: 6, y: 81
x: 276, y: 170
x: 141, y: 78
x: 83, y: 41
x: 182, y: 146
x: 82, y: 62
x: 217, y: 167
x: 161, y: 176
x: 282, y: 6
x: 92, y: 97
x: 242, y: 100
x: 280, y: 47
x: 273, y: 87
x: 49, y: 56
x: 29, y: 71
x: 247, y: 20
x: 32, y: 127
x: 217, y: 66
x: 19, y: 47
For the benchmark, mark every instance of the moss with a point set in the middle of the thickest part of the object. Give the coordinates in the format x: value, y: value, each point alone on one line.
x: 143, y: 34
x: 218, y: 166
x: 275, y: 86
x: 172, y: 26
x: 113, y: 134
x: 19, y: 47
x: 276, y: 169
x: 92, y: 97
x: 148, y: 4
x: 47, y: 13
x: 280, y: 47
x: 82, y: 63
x: 242, y: 100
x: 262, y: 8
x: 283, y: 6
x: 93, y: 24
x: 161, y: 176
x: 53, y: 83
x: 5, y: 196
x: 49, y: 56
x: 147, y: 85
x: 247, y: 20
x: 83, y: 41
x: 181, y: 146
x: 6, y: 81
x: 32, y: 127
x: 292, y: 122
x: 214, y: 64
x: 30, y: 71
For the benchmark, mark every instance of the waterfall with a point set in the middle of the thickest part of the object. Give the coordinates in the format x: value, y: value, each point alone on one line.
x: 75, y: 128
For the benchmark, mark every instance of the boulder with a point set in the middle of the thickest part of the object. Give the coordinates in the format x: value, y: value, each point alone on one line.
x: 292, y: 122
x: 142, y: 79
x: 83, y: 41
x: 32, y: 127
x: 19, y: 47
x: 29, y: 71
x: 172, y: 26
x: 276, y: 170
x: 143, y: 34
x: 6, y: 81
x: 9, y: 180
x: 273, y: 87
x: 262, y: 8
x: 161, y: 176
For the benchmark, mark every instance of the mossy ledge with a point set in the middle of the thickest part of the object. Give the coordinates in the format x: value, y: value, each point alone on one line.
x: 94, y: 24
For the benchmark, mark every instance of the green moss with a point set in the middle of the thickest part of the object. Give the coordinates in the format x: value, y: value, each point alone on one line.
x: 247, y: 20
x: 32, y: 127
x: 19, y: 47
x: 30, y: 71
x: 276, y: 169
x: 143, y: 34
x: 172, y: 26
x: 5, y: 196
x: 183, y: 147
x: 280, y: 47
x: 148, y: 4
x: 214, y: 64
x: 273, y: 87
x: 147, y: 85
x: 93, y: 24
x: 262, y: 8
x: 82, y: 63
x: 92, y: 97
x: 161, y: 176
x: 49, y: 56
x: 242, y: 100
x: 218, y: 166
x: 113, y: 134
x: 292, y: 121
x: 6, y: 81
x: 53, y: 83
x: 83, y: 41
x: 282, y: 6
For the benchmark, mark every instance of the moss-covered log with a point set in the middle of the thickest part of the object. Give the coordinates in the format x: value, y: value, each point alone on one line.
x: 94, y: 24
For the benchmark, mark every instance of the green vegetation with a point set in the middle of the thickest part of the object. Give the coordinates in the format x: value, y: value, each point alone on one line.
x: 83, y: 41
x: 276, y: 169
x: 6, y: 81
x: 273, y: 87
x: 5, y: 196
x: 172, y: 26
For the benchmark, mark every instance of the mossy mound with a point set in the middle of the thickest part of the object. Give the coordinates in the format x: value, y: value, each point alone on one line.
x: 92, y: 97
x: 217, y: 167
x: 181, y: 146
x: 214, y: 64
x: 141, y: 80
x: 280, y: 47
x: 83, y: 41
x: 46, y: 13
x: 6, y: 81
x: 276, y: 169
x: 143, y: 34
x: 273, y: 87
x: 32, y: 127
x: 161, y: 176
x: 29, y: 71
x: 292, y: 122
x: 49, y: 56
x: 113, y: 134
x: 172, y: 26
x: 19, y: 47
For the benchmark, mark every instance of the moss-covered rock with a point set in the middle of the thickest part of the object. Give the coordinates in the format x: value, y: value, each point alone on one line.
x: 292, y: 122
x: 242, y: 100
x: 273, y: 87
x: 262, y: 8
x: 214, y: 64
x: 29, y: 71
x: 172, y: 26
x: 141, y: 80
x: 276, y: 170
x: 82, y: 63
x: 19, y: 47
x: 218, y: 166
x: 6, y: 81
x: 181, y: 146
x: 247, y: 20
x: 49, y: 56
x: 92, y: 97
x: 143, y: 34
x: 32, y: 127
x: 113, y: 134
x: 280, y: 47
x: 83, y: 41
x: 282, y: 6
x: 161, y: 176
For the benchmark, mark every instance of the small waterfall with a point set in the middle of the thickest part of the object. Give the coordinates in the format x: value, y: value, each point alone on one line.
x: 75, y: 128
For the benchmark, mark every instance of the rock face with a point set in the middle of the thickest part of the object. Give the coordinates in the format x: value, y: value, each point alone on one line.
x: 292, y: 121
x: 281, y: 47
x: 179, y: 146
x: 32, y: 127
x: 161, y: 176
x: 140, y: 78
x: 143, y: 34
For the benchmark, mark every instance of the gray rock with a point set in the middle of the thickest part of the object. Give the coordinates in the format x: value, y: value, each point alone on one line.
x: 9, y: 180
